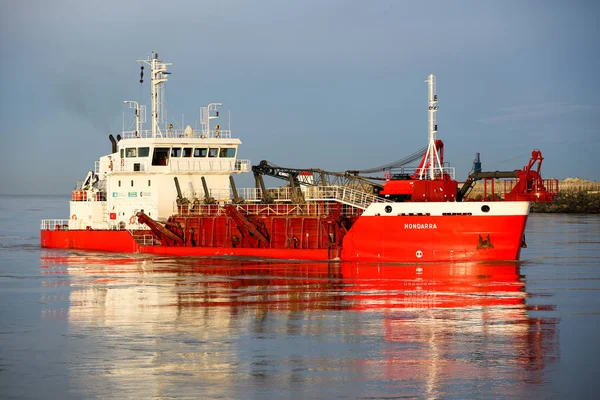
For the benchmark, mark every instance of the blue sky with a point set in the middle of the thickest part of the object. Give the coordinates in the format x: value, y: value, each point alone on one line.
x: 328, y: 84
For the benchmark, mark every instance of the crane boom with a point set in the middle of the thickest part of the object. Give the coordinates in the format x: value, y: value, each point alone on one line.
x: 317, y: 177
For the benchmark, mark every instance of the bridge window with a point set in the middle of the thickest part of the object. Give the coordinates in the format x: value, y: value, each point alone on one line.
x: 143, y: 151
x: 187, y: 152
x: 227, y: 152
x: 131, y: 152
x: 160, y: 156
x: 213, y: 151
x: 176, y: 152
x: 200, y: 152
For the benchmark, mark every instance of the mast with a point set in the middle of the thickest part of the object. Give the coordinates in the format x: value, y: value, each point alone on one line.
x: 158, y: 70
x: 206, y: 114
x: 432, y: 158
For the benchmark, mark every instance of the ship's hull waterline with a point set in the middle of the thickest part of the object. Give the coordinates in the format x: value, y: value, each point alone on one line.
x: 371, y: 238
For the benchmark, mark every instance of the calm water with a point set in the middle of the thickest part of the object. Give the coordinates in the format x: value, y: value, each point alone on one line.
x: 89, y: 325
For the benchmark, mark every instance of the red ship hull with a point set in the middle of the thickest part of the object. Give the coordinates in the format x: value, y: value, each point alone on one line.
x: 97, y: 240
x: 454, y: 238
x: 371, y: 238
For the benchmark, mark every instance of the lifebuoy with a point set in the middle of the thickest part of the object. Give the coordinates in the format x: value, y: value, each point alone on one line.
x: 73, y: 216
x: 110, y: 165
x: 132, y: 220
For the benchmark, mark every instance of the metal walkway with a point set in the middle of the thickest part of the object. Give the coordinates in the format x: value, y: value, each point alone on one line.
x: 343, y: 194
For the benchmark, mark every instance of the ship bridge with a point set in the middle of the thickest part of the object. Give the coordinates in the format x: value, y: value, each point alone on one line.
x: 175, y: 155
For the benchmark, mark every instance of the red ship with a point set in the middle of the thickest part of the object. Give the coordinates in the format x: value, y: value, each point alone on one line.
x: 133, y: 200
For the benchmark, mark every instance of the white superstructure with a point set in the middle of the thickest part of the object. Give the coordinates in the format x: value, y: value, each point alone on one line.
x: 143, y: 171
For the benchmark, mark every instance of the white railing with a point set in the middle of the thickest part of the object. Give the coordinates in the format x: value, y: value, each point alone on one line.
x: 415, y: 171
x: 54, y: 224
x: 177, y: 133
x: 220, y: 134
x: 207, y: 165
x: 254, y: 195
x: 143, y: 134
x: 88, y: 195
x: 73, y: 224
x: 185, y: 164
x: 282, y: 199
x: 145, y: 239
x: 243, y: 165
x: 449, y: 171
x: 342, y: 194
x: 275, y: 209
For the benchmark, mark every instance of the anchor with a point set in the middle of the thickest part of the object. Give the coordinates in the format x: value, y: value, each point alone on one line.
x: 485, y: 243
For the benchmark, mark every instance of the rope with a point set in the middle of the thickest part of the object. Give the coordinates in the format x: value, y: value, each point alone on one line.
x: 398, y: 163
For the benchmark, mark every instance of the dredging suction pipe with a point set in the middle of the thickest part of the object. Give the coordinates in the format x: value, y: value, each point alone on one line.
x: 495, y: 174
x: 476, y: 176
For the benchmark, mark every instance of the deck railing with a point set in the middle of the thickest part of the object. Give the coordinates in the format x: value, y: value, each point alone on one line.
x: 187, y: 164
x: 54, y: 225
x: 342, y: 194
x: 274, y: 209
x: 145, y: 239
x: 208, y: 165
x: 177, y: 133
x: 282, y: 201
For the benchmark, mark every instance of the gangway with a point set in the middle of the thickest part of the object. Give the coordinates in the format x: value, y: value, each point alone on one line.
x: 340, y: 194
x: 344, y: 195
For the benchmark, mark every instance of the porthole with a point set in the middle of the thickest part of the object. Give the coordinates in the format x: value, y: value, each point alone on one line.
x: 388, y: 209
x: 485, y: 208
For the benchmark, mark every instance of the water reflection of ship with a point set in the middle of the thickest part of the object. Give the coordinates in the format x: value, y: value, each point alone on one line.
x: 269, y: 285
x: 431, y: 316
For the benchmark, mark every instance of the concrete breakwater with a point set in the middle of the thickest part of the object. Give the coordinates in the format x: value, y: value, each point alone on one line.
x: 578, y: 202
